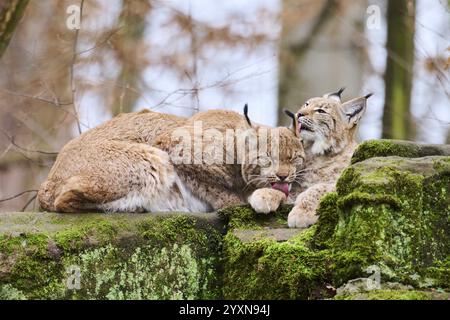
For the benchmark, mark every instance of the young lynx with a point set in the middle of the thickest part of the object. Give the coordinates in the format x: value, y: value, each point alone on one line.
x: 130, y: 163
x: 327, y: 128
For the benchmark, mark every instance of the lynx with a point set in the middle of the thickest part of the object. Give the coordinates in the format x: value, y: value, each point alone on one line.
x: 327, y: 129
x: 126, y: 165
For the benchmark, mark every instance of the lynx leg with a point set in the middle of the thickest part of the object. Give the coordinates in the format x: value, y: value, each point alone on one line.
x: 80, y: 193
x: 303, y: 214
x: 266, y: 200
x: 125, y: 177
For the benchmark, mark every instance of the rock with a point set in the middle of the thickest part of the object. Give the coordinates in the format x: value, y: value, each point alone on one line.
x: 384, y: 234
x: 260, y: 264
x: 361, y: 289
x: 390, y: 217
x: 394, y: 213
x: 109, y: 256
x: 407, y: 149
x: 277, y: 234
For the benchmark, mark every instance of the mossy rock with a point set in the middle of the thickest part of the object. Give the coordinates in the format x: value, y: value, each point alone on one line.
x: 390, y: 213
x: 244, y: 217
x: 394, y: 213
x: 266, y: 260
x: 407, y: 149
x: 359, y: 289
x: 100, y: 256
x: 395, y: 295
x: 270, y: 268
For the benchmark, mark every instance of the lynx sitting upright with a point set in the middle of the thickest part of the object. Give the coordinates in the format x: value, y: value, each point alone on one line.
x: 327, y: 128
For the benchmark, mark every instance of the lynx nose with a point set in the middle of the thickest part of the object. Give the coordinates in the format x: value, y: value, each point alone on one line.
x: 299, y: 115
x: 281, y: 177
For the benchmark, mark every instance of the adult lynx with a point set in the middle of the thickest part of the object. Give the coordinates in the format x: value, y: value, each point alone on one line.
x: 126, y: 165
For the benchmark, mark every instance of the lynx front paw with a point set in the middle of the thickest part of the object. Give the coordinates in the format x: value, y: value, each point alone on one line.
x: 266, y: 200
x: 299, y: 218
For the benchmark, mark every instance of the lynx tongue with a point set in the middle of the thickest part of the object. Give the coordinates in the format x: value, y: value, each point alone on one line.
x: 283, y: 187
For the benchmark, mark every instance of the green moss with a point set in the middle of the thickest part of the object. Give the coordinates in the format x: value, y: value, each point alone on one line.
x: 8, y: 292
x: 244, y: 217
x: 93, y: 233
x: 440, y: 272
x: 148, y: 258
x: 147, y: 272
x: 327, y: 222
x: 267, y: 269
x: 388, y: 295
x: 386, y: 148
x: 393, y: 212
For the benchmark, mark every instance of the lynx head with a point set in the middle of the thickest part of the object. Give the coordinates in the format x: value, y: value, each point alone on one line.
x: 326, y: 125
x: 274, y: 157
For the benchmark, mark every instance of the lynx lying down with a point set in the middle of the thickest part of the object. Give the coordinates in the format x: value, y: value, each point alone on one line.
x: 125, y: 165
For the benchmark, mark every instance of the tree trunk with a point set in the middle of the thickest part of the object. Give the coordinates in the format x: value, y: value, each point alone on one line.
x: 129, y: 55
x: 10, y: 14
x: 397, y: 120
x: 318, y: 52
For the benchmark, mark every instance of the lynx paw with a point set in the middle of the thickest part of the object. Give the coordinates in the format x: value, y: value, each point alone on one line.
x: 299, y: 218
x: 266, y: 200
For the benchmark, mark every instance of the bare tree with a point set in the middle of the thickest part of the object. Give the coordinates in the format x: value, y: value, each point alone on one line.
x: 321, y: 38
x: 129, y: 49
x: 397, y: 120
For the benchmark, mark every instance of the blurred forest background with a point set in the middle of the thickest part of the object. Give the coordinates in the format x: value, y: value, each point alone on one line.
x: 182, y: 56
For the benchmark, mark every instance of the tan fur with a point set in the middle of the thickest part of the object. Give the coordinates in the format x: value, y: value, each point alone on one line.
x: 108, y: 162
x: 329, y: 148
x: 124, y: 165
x: 327, y: 129
x: 227, y: 184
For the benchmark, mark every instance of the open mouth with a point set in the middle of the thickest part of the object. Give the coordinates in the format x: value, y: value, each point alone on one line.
x: 304, y: 127
x: 283, y: 187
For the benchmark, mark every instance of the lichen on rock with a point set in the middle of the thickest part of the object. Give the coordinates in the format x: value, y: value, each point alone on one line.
x: 109, y: 257
x: 390, y: 214
x: 387, y: 221
x: 397, y: 217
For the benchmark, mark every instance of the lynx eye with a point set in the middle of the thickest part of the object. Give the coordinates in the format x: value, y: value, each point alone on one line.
x: 320, y: 111
x: 297, y: 159
x: 264, y: 160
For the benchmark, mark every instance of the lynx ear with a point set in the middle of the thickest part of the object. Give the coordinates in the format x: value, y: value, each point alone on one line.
x: 246, y: 115
x: 294, y: 122
x: 335, y: 95
x: 354, y: 109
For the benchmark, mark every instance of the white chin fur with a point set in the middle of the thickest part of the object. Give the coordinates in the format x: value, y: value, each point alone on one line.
x: 307, y: 136
x: 318, y: 142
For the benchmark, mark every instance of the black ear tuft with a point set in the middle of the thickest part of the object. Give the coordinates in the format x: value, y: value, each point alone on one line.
x: 335, y: 95
x: 246, y: 115
x: 290, y: 114
x: 368, y: 96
